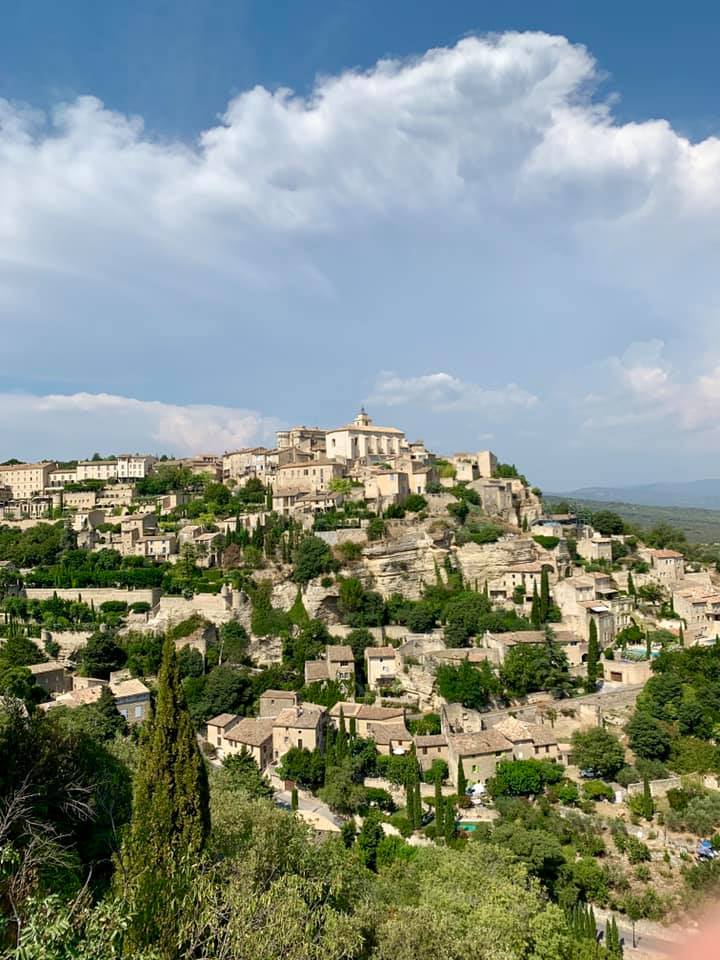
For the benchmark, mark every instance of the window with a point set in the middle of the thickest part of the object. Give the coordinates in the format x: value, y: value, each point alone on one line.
x: 300, y: 743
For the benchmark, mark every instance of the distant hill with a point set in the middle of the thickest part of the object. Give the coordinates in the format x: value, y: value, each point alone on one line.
x: 687, y: 493
x: 699, y: 525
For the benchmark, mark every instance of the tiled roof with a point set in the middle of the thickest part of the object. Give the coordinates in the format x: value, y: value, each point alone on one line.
x: 316, y: 670
x: 254, y: 731
x: 51, y: 665
x: 339, y: 652
x: 388, y: 732
x: 222, y: 720
x: 431, y: 740
x: 305, y: 717
x: 128, y: 688
x: 372, y: 652
x: 483, y: 742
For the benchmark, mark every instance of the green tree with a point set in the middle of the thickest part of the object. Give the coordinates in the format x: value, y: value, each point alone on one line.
x: 100, y: 656
x: 544, y: 595
x: 462, y: 780
x: 369, y: 839
x: 294, y: 799
x: 171, y: 816
x: 648, y: 806
x: 313, y: 558
x: 439, y: 801
x: 529, y: 667
x: 536, y: 609
x: 242, y: 773
x: 593, y: 656
x: 648, y: 738
x: 473, y: 685
x: 598, y: 750
x: 631, y: 585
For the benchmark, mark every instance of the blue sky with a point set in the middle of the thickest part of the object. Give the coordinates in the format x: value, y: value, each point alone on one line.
x: 510, y: 241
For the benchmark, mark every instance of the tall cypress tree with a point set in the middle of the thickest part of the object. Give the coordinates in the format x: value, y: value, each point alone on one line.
x: 171, y: 815
x: 449, y: 820
x: 681, y: 637
x: 593, y: 656
x: 648, y: 805
x: 631, y: 585
x: 341, y: 741
x: 439, y: 828
x: 535, y: 613
x: 462, y: 780
x: 544, y: 595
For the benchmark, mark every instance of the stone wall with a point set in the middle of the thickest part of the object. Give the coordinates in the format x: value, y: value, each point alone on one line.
x: 97, y: 595
x: 69, y: 641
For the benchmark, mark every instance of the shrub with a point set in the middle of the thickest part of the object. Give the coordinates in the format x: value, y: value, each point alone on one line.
x: 597, y: 790
x: 415, y: 503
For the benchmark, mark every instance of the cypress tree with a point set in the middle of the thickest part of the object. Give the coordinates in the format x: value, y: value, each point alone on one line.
x: 353, y: 729
x: 341, y: 740
x: 449, y: 821
x: 525, y: 524
x: 535, y: 613
x: 648, y: 806
x: 681, y: 637
x: 171, y: 815
x: 544, y: 595
x: 631, y: 585
x: 648, y: 645
x: 593, y: 656
x: 439, y: 829
x: 462, y: 781
x: 294, y: 799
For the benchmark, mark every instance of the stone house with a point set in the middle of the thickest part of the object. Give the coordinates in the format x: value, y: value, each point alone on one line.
x: 365, y: 715
x: 479, y: 753
x: 390, y: 738
x: 301, y: 726
x: 313, y: 476
x: 337, y: 664
x: 430, y: 747
x: 26, y: 480
x: 132, y: 698
x: 595, y: 548
x: 385, y: 488
x: 51, y: 676
x: 529, y: 740
x: 667, y: 565
x: 627, y: 671
x: 273, y: 702
x: 251, y: 735
x: 381, y: 666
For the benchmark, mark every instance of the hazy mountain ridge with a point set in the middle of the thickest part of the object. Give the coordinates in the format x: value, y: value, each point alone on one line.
x: 688, y: 493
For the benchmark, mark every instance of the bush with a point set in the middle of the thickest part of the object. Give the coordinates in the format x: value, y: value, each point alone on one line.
x: 376, y: 529
x: 312, y: 559
x: 415, y: 503
x: 636, y: 850
x: 350, y: 551
x: 597, y: 790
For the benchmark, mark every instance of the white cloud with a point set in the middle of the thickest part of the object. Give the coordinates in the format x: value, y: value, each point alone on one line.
x: 443, y: 393
x: 474, y: 204
x: 78, y: 424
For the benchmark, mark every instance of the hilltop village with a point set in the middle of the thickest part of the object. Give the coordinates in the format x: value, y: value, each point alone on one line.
x: 374, y: 633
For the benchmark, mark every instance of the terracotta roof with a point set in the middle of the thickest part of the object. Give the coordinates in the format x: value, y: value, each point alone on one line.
x: 305, y: 717
x: 483, y: 742
x: 128, y: 688
x: 518, y: 730
x: 339, y: 652
x: 251, y: 730
x: 222, y: 720
x: 316, y: 670
x: 379, y: 652
x: 48, y: 667
x: 385, y: 733
x: 280, y: 695
x: 520, y: 636
x: 431, y: 740
x: 364, y: 712
x: 666, y: 554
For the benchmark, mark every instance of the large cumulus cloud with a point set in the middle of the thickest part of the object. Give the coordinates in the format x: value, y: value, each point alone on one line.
x: 476, y: 210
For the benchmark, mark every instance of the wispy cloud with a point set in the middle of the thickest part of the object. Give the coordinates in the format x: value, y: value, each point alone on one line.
x: 443, y: 393
x: 80, y: 423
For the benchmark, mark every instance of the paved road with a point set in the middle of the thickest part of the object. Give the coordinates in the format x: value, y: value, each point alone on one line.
x: 307, y: 802
x: 645, y: 942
